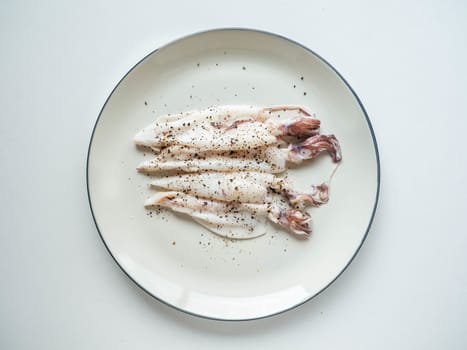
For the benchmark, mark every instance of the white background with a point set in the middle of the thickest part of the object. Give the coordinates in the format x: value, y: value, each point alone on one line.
x: 60, y: 289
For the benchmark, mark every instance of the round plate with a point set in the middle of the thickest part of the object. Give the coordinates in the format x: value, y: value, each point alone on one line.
x: 178, y: 261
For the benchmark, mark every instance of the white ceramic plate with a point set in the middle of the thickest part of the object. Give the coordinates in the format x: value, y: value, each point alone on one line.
x: 180, y: 262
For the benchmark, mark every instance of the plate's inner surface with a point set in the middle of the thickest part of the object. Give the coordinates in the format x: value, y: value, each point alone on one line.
x: 181, y: 262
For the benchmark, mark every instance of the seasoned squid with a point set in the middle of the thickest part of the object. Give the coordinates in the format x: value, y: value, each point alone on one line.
x: 269, y: 159
x: 228, y: 128
x: 219, y: 167
x: 192, y: 160
x: 241, y: 187
x: 242, y: 221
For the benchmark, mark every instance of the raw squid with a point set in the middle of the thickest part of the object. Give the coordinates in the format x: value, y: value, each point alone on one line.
x: 220, y: 165
x: 186, y: 159
x: 227, y: 128
x: 269, y: 159
x: 241, y: 221
x: 242, y: 187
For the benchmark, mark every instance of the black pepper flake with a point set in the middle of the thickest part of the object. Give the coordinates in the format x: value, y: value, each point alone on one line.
x: 145, y: 103
x: 301, y: 78
x: 244, y: 68
x: 173, y: 243
x: 197, y: 64
x: 294, y: 86
x: 304, y: 94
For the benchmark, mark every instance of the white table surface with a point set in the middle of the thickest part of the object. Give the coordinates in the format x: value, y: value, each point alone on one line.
x: 60, y: 289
